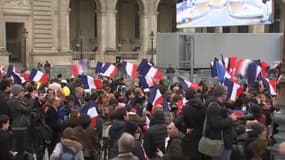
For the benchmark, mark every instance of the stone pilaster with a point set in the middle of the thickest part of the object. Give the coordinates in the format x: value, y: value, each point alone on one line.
x: 55, y: 21
x: 64, y: 45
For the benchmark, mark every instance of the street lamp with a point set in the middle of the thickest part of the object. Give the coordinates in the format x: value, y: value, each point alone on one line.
x: 151, y: 35
x: 119, y: 47
x: 81, y: 45
x: 25, y: 36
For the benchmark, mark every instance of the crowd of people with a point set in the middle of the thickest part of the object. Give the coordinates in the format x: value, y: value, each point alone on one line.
x: 125, y: 126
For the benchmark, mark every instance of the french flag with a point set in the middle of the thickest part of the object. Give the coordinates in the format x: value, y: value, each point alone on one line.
x: 186, y: 84
x: 19, y: 79
x: 242, y: 67
x: 77, y: 69
x: 98, y: 67
x: 38, y: 76
x: 253, y: 72
x: 93, y: 114
x: 270, y: 86
x: 146, y: 82
x: 230, y: 63
x: 2, y: 69
x: 232, y: 89
x: 90, y: 83
x: 265, y: 67
x: 155, y: 97
x: 130, y: 69
x: 150, y: 71
x: 220, y: 71
x: 109, y: 70
x: 10, y: 70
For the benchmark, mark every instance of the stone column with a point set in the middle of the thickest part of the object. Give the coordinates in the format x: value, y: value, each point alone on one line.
x: 110, y: 24
x: 144, y: 34
x: 101, y: 26
x: 64, y: 45
x: 256, y: 29
x: 2, y: 26
x: 219, y: 30
x: 189, y: 30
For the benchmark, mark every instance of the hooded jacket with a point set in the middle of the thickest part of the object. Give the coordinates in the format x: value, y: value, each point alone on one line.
x: 155, y: 137
x: 193, y: 116
x: 75, y: 146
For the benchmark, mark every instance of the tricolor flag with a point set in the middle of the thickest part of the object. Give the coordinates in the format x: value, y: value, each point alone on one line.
x: 90, y: 83
x: 242, y: 67
x: 253, y: 72
x: 77, y: 69
x: 230, y: 64
x: 232, y: 89
x: 19, y: 79
x: 155, y: 97
x: 10, y: 70
x: 130, y: 69
x: 93, y: 114
x: 270, y: 86
x: 220, y: 71
x: 146, y: 82
x: 265, y: 67
x: 147, y: 70
x: 186, y: 84
x: 38, y: 76
x: 2, y: 69
x: 98, y: 67
x: 109, y: 70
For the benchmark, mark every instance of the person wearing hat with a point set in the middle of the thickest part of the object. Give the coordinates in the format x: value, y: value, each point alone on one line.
x: 219, y: 122
x: 21, y: 118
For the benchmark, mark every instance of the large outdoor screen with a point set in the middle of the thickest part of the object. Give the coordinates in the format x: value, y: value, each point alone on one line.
x: 211, y: 13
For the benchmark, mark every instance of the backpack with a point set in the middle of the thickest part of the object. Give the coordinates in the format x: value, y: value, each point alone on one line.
x: 67, y: 154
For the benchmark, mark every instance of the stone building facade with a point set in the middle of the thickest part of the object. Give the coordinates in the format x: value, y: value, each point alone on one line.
x: 33, y: 31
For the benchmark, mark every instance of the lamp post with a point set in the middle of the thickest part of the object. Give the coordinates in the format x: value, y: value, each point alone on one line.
x: 25, y: 36
x: 151, y: 35
x: 81, y: 45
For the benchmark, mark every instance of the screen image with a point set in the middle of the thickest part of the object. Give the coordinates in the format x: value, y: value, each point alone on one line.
x: 213, y: 13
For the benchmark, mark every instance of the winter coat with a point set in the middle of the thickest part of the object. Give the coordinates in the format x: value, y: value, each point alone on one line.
x: 155, y: 136
x: 4, y: 107
x: 5, y: 146
x: 174, y: 148
x: 89, y: 140
x: 218, y: 121
x: 138, y: 151
x: 116, y: 130
x: 125, y: 156
x: 193, y: 116
x: 20, y: 112
x: 75, y: 146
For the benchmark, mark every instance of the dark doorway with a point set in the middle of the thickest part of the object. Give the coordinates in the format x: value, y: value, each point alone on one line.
x: 15, y: 42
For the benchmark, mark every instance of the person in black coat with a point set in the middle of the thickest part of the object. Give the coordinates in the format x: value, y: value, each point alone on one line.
x: 154, y: 138
x: 4, y: 97
x: 220, y: 122
x: 193, y: 116
x: 5, y: 152
x: 52, y: 120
